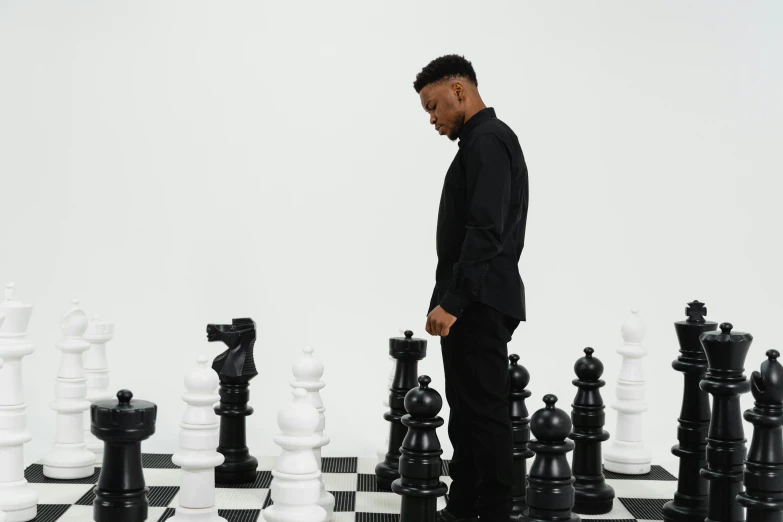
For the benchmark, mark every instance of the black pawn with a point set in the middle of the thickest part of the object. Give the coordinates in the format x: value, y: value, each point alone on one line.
x: 550, y: 490
x: 419, y: 484
x: 726, y: 352
x: 520, y: 427
x: 593, y: 496
x: 235, y: 368
x: 121, y: 493
x: 690, y: 499
x: 763, y: 496
x: 407, y: 352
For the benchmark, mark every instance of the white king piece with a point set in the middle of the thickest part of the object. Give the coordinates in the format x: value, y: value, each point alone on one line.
x: 18, y: 500
x: 96, y: 370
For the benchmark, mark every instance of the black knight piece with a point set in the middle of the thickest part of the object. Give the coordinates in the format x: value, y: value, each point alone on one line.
x: 593, y: 496
x: 763, y: 496
x: 235, y: 367
x: 550, y: 489
x: 690, y: 499
x: 726, y: 352
x: 520, y: 427
x: 419, y: 484
x: 407, y: 352
x: 122, y: 425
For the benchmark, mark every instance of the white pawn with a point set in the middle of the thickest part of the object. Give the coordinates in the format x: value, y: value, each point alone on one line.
x: 198, y: 440
x: 296, y: 479
x: 627, y: 454
x: 70, y: 458
x: 17, y: 498
x: 307, y: 373
x: 96, y: 370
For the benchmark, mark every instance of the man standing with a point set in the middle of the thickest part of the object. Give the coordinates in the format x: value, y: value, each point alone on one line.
x: 479, y: 297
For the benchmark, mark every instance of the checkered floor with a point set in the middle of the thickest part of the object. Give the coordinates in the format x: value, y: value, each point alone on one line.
x: 350, y: 480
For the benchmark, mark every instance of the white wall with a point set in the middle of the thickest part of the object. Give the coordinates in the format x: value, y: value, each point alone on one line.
x: 172, y: 164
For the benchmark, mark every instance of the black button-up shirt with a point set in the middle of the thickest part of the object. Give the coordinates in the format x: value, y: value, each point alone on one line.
x: 481, y: 221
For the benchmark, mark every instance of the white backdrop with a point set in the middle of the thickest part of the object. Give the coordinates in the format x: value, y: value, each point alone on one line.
x: 171, y: 164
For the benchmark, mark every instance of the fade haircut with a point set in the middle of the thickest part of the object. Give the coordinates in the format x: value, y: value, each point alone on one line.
x: 447, y: 66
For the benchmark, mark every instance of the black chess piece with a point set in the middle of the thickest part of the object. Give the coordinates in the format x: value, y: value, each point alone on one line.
x: 419, y: 484
x: 763, y: 496
x: 520, y: 427
x: 690, y: 499
x: 726, y: 352
x: 593, y: 496
x: 407, y: 352
x: 122, y: 425
x: 235, y: 368
x: 550, y: 484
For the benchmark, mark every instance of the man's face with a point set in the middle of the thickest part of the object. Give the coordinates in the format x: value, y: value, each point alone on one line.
x: 440, y: 102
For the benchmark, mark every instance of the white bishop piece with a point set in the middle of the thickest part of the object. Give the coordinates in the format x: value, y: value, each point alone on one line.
x: 198, y: 440
x: 18, y: 500
x: 307, y: 374
x: 296, y: 479
x: 627, y: 454
x: 70, y: 458
x: 96, y: 370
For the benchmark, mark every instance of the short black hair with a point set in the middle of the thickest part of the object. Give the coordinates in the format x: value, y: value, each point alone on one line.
x: 446, y: 66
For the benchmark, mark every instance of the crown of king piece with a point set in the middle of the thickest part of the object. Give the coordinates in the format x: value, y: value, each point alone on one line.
x: 17, y: 314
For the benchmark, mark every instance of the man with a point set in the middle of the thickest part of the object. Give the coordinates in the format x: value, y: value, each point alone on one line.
x: 479, y: 297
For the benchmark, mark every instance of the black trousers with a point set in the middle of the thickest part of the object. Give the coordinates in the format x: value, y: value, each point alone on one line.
x: 475, y: 360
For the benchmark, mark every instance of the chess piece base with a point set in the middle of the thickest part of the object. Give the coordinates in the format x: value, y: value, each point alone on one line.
x: 119, y: 508
x: 69, y: 462
x: 236, y: 469
x: 19, y: 502
x: 675, y: 511
x: 593, y: 499
x: 387, y: 472
x: 196, y: 515
x: 518, y: 507
x: 296, y: 514
x: 628, y: 458
x: 526, y: 518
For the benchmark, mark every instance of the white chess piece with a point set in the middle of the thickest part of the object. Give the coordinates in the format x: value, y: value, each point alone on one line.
x: 70, y: 458
x: 381, y: 452
x: 96, y: 370
x: 18, y: 499
x: 296, y: 479
x: 627, y: 454
x: 2, y: 515
x: 3, y: 518
x: 307, y: 375
x: 198, y: 440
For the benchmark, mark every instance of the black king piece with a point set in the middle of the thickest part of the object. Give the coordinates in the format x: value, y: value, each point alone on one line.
x: 520, y: 428
x: 235, y: 367
x: 726, y: 352
x: 690, y: 499
x: 763, y: 496
x: 407, y: 352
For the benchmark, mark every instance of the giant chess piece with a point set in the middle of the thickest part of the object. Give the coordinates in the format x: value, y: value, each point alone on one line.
x: 593, y: 495
x: 550, y: 489
x: 296, y: 479
x: 726, y: 352
x: 520, y: 428
x: 96, y: 370
x: 17, y: 498
x: 763, y: 495
x: 2, y: 515
x: 627, y: 454
x: 307, y: 375
x: 122, y: 424
x: 3, y: 518
x: 381, y: 450
x: 235, y: 367
x: 198, y: 438
x: 690, y: 499
x: 407, y: 352
x: 70, y: 458
x: 419, y: 484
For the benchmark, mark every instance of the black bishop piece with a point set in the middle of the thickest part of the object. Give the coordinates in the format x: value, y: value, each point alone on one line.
x: 122, y: 425
x: 419, y: 484
x: 763, y: 496
x: 593, y: 496
x: 235, y: 368
x: 726, y: 352
x: 520, y: 428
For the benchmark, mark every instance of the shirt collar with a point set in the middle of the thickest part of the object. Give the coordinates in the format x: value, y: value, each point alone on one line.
x: 472, y: 123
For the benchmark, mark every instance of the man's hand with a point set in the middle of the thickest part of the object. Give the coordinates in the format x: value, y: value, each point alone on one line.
x: 439, y: 322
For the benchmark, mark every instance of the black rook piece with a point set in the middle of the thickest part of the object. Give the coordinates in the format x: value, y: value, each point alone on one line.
x: 763, y: 496
x: 593, y: 496
x: 520, y: 427
x: 407, y: 352
x: 419, y: 483
x: 235, y: 367
x: 690, y: 499
x: 122, y: 424
x: 550, y: 490
x: 726, y: 352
